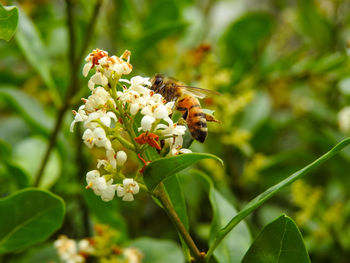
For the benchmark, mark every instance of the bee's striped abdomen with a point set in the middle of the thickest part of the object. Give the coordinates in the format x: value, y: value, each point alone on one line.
x: 195, y: 118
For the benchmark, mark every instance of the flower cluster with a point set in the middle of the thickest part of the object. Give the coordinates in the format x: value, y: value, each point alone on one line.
x: 101, y: 246
x: 127, y: 113
x: 71, y: 251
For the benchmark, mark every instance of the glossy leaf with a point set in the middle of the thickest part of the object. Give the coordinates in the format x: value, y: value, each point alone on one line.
x: 263, y: 197
x: 33, y: 48
x: 27, y: 217
x: 5, y: 151
x: 28, y: 155
x: 18, y: 174
x: 177, y: 199
x: 256, y: 112
x: 153, y: 36
x: 314, y: 26
x: 243, y: 40
x: 235, y: 245
x: 106, y: 213
x: 280, y: 241
x: 162, y: 168
x: 9, y: 21
x: 158, y: 251
x: 28, y: 107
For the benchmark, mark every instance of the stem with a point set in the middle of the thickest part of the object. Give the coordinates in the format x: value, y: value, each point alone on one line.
x: 168, y: 207
x: 74, y: 81
x: 124, y: 142
x: 262, y: 198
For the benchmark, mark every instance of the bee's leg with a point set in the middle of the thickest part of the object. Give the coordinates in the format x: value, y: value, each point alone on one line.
x: 209, y: 117
x: 184, y: 112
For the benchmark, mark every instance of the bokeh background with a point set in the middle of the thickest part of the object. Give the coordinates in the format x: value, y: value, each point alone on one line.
x: 281, y: 66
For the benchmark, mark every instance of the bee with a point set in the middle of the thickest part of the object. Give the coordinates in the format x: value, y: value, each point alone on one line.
x: 186, y: 102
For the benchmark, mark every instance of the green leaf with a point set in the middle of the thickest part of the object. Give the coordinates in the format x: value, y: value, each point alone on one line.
x: 5, y: 151
x: 256, y: 113
x: 40, y: 253
x: 177, y: 199
x: 28, y: 155
x: 33, y: 48
x: 244, y: 39
x: 106, y: 213
x: 237, y: 242
x: 158, y: 251
x: 27, y: 217
x: 279, y: 241
x: 162, y: 168
x: 263, y: 197
x: 18, y: 174
x: 28, y: 107
x: 314, y: 26
x: 153, y: 36
x: 8, y: 20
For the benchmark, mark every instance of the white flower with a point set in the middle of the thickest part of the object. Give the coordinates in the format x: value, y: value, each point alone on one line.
x: 112, y: 159
x: 121, y: 158
x: 138, y: 84
x: 133, y: 255
x: 96, y: 137
x: 344, y: 119
x: 109, y: 192
x: 87, y: 68
x: 85, y: 246
x: 175, y: 143
x: 79, y: 116
x: 94, y: 57
x: 129, y: 188
x: 104, y: 117
x: 98, y: 99
x: 97, y: 79
x: 155, y: 110
x: 99, y: 185
x: 67, y: 250
x: 146, y: 122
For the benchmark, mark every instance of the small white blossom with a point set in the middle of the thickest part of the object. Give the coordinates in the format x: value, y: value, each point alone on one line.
x: 99, y: 185
x: 97, y: 79
x: 79, y: 117
x: 138, y: 84
x: 146, y: 122
x: 121, y: 158
x: 109, y: 193
x: 98, y: 99
x: 67, y: 250
x: 129, y: 188
x: 104, y: 117
x: 175, y: 142
x: 87, y: 68
x: 85, y: 246
x: 96, y: 137
x: 133, y: 255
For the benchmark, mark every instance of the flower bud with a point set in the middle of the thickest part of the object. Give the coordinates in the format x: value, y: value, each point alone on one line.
x: 121, y: 158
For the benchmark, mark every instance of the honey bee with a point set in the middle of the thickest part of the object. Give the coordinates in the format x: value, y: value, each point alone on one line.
x: 186, y: 102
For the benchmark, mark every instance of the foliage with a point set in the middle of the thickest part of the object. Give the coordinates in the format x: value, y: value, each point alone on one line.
x: 282, y: 70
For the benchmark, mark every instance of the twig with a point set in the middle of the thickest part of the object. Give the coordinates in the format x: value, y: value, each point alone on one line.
x: 74, y: 80
x: 168, y: 207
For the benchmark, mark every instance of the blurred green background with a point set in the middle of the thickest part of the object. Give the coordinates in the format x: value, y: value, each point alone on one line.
x: 283, y: 71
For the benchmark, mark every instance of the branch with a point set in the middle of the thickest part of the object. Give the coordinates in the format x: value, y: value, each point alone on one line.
x: 73, y: 87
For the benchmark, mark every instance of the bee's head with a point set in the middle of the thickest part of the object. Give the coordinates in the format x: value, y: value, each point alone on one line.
x: 157, y: 82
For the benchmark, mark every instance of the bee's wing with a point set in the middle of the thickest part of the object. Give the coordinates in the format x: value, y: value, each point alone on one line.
x: 199, y: 92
